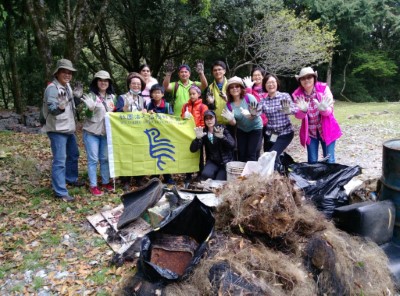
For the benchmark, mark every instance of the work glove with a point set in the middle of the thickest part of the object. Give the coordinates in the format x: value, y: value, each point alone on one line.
x: 248, y: 82
x: 210, y: 99
x: 187, y: 114
x: 199, y: 66
x: 302, y: 104
x: 169, y: 67
x: 254, y: 108
x: 228, y: 115
x: 325, y: 103
x: 219, y: 131
x: 245, y: 112
x: 223, y: 96
x: 199, y: 132
x: 128, y: 103
x: 90, y: 104
x: 78, y: 90
x: 62, y: 100
x: 285, y: 104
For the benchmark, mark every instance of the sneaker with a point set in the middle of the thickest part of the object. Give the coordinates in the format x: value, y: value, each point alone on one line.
x: 96, y: 191
x: 107, y: 187
x: 77, y: 183
x: 66, y: 198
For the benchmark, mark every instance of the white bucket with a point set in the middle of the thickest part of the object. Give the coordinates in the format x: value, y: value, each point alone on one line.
x: 234, y: 169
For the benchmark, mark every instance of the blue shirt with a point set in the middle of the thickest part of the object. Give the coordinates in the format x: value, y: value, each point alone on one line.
x: 242, y: 122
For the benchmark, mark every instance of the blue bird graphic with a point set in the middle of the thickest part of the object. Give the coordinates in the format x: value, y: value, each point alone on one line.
x: 159, y: 148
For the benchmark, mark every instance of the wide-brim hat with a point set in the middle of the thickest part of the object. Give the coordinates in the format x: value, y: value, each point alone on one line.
x: 234, y: 80
x: 64, y: 64
x: 306, y: 71
x: 137, y: 75
x: 102, y: 75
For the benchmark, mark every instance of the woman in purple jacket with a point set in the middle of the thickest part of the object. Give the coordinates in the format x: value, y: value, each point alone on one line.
x: 315, y: 108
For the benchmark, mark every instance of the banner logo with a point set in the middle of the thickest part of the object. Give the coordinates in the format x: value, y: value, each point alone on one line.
x: 159, y: 148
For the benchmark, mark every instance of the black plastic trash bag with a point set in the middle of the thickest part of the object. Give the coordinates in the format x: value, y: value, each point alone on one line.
x: 323, y: 183
x: 170, y: 252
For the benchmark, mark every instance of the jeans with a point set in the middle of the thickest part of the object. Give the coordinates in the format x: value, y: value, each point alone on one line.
x: 312, y: 150
x: 213, y: 171
x: 248, y: 144
x: 65, y: 161
x: 279, y: 145
x: 96, y: 150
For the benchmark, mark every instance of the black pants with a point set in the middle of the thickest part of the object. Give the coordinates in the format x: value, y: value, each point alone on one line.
x: 279, y: 145
x: 248, y: 144
x: 213, y: 171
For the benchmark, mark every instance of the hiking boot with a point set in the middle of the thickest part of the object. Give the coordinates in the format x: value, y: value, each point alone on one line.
x: 96, y: 191
x: 66, y: 198
x: 77, y: 183
x: 107, y: 187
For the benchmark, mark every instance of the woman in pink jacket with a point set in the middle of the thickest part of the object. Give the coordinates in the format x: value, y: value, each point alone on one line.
x: 314, y: 101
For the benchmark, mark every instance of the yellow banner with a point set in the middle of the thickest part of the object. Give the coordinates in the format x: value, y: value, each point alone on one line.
x: 149, y: 144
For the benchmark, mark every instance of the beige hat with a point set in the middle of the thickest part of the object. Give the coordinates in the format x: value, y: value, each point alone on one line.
x: 64, y: 64
x: 234, y: 80
x: 137, y: 75
x: 306, y: 71
x: 102, y: 75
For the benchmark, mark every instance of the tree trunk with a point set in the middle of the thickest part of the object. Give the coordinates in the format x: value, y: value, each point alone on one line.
x: 329, y: 73
x: 344, y: 79
x: 15, y: 85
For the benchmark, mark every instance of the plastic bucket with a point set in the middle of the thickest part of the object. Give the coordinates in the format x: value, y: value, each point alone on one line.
x: 234, y: 169
x: 391, y: 179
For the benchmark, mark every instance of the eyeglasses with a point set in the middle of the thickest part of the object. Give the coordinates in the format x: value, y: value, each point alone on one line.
x: 135, y: 83
x: 235, y: 86
x: 307, y: 77
x: 271, y: 83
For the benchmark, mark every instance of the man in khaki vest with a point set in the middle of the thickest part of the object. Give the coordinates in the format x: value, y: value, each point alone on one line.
x: 59, y: 112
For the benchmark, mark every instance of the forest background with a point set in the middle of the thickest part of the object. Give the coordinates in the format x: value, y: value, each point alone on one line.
x: 354, y: 45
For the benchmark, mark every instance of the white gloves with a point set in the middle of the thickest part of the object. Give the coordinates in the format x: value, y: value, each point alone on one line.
x: 199, y: 66
x: 302, y: 104
x: 219, y: 132
x: 78, y: 90
x: 199, y: 132
x: 88, y: 102
x: 325, y: 103
x: 245, y: 112
x: 210, y: 99
x: 62, y: 100
x: 247, y: 82
x: 285, y: 107
x: 187, y: 114
x: 228, y: 115
x: 254, y: 108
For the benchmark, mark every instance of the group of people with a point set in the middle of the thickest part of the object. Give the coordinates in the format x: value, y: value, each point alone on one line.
x: 232, y: 120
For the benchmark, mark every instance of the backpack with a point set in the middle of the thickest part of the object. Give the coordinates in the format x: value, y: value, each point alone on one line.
x: 229, y: 106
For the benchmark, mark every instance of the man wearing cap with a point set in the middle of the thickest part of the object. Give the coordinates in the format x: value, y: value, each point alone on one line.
x: 59, y: 112
x: 180, y: 89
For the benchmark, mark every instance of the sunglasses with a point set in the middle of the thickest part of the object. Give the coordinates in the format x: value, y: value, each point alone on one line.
x: 235, y: 86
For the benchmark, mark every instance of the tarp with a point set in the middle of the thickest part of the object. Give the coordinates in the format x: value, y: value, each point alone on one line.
x: 149, y: 144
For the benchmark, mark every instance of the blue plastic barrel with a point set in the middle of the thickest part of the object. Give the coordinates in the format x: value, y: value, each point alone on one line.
x: 391, y: 179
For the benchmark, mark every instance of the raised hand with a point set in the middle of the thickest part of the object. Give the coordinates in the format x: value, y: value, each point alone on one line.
x: 78, y: 90
x: 199, y: 66
x: 253, y: 108
x: 169, y: 67
x: 228, y: 115
x: 187, y: 114
x: 245, y: 112
x: 325, y: 103
x: 62, y: 100
x: 302, y: 104
x: 199, y: 132
x: 285, y: 104
x: 248, y: 82
x: 90, y: 104
x: 219, y: 131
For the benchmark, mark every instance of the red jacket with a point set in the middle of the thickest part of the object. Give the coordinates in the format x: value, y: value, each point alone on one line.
x: 197, y: 109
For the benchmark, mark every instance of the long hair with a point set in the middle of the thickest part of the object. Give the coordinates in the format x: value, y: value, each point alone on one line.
x: 95, y: 89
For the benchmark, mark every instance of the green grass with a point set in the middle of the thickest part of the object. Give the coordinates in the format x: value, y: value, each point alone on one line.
x: 38, y: 282
x: 99, y: 277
